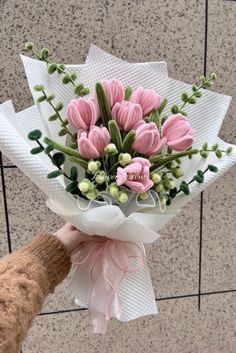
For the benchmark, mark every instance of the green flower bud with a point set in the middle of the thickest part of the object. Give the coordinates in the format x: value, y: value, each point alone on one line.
x: 218, y: 153
x: 111, y: 149
x: 122, y: 197
x: 113, y: 189
x: 124, y: 158
x: 177, y: 172
x: 100, y: 177
x: 229, y: 150
x: 29, y: 46
x: 92, y: 195
x: 159, y: 187
x: 93, y: 166
x: 85, y: 186
x: 204, y: 154
x: 156, y: 178
x: 162, y: 199
x: 143, y: 196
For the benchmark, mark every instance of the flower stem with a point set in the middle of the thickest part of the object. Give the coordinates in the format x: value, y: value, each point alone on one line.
x: 173, y: 157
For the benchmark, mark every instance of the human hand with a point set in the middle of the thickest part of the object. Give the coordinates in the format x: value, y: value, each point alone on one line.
x: 71, y: 237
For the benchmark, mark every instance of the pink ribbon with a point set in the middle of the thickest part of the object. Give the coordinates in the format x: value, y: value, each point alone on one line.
x: 108, y: 263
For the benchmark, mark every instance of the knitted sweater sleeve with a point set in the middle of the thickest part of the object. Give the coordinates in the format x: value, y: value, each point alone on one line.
x: 26, y: 277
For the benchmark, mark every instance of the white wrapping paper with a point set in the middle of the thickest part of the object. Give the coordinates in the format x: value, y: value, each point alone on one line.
x: 205, y: 117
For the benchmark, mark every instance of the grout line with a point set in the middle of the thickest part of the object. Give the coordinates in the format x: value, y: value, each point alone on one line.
x: 201, y: 195
x: 158, y: 299
x: 5, y: 205
x: 9, y: 166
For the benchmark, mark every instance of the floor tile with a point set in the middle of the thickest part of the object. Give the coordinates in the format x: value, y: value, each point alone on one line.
x: 178, y: 327
x: 219, y: 243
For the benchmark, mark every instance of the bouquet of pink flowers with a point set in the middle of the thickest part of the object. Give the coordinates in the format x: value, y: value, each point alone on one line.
x: 123, y: 154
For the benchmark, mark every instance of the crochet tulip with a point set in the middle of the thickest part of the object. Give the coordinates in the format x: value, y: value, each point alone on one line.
x: 82, y: 113
x: 147, y: 98
x: 114, y: 90
x: 148, y: 140
x: 177, y: 133
x: 136, y: 175
x: 127, y: 115
x: 91, y: 145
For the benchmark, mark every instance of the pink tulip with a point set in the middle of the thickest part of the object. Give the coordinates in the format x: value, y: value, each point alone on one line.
x: 92, y: 144
x: 177, y: 132
x: 114, y: 90
x: 135, y: 175
x: 82, y: 113
x: 148, y: 139
x: 147, y: 98
x: 127, y: 115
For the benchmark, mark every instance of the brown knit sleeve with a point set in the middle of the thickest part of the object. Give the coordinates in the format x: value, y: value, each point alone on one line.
x: 26, y: 277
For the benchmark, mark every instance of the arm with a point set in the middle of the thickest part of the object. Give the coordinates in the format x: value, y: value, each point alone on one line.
x: 27, y: 276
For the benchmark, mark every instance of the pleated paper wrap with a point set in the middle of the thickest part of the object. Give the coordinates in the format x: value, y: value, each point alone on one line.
x: 135, y: 224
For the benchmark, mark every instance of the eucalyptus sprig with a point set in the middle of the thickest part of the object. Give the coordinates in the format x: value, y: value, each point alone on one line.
x: 67, y: 76
x: 196, y: 93
x: 205, y: 150
x: 56, y: 108
x: 57, y: 158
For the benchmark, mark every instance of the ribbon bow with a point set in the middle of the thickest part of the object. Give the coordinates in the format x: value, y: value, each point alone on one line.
x: 109, y: 262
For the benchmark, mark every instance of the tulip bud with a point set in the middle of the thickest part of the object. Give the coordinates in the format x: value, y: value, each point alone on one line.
x: 111, y: 149
x: 156, y: 178
x: 122, y: 197
x: 124, y: 158
x: 113, y: 189
x: 159, y: 187
x: 177, y: 172
x: 93, y: 166
x: 143, y: 196
x: 85, y: 185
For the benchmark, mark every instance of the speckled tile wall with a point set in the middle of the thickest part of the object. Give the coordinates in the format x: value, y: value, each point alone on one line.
x: 195, y: 254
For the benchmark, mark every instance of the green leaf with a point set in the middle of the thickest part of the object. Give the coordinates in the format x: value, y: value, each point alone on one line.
x: 184, y: 188
x: 115, y: 134
x: 184, y: 97
x: 48, y: 149
x: 215, y: 146
x: 60, y: 68
x: 174, y: 109
x: 51, y: 97
x: 198, y: 94
x: 62, y: 132
x: 200, y: 173
x: 59, y: 106
x: 66, y: 79
x: 104, y: 106
x: 128, y: 141
x: 41, y: 99
x: 58, y: 159
x: 155, y: 118
x: 78, y: 89
x: 52, y: 68
x: 218, y: 153
x: 205, y: 146
x: 84, y: 91
x: 212, y: 168
x: 53, y: 117
x: 39, y: 88
x: 45, y: 53
x: 173, y: 193
x: 73, y: 76
x: 55, y: 174
x: 191, y: 100
x: 229, y: 150
x: 128, y: 92
x: 199, y: 179
x: 29, y: 46
x: 72, y: 186
x: 37, y: 150
x: 35, y: 135
x: 74, y: 173
x: 164, y: 118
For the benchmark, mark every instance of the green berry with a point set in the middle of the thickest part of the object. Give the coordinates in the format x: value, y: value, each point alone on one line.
x: 143, y: 196
x: 84, y: 186
x: 156, y: 178
x: 111, y: 149
x: 122, y: 197
x: 124, y: 159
